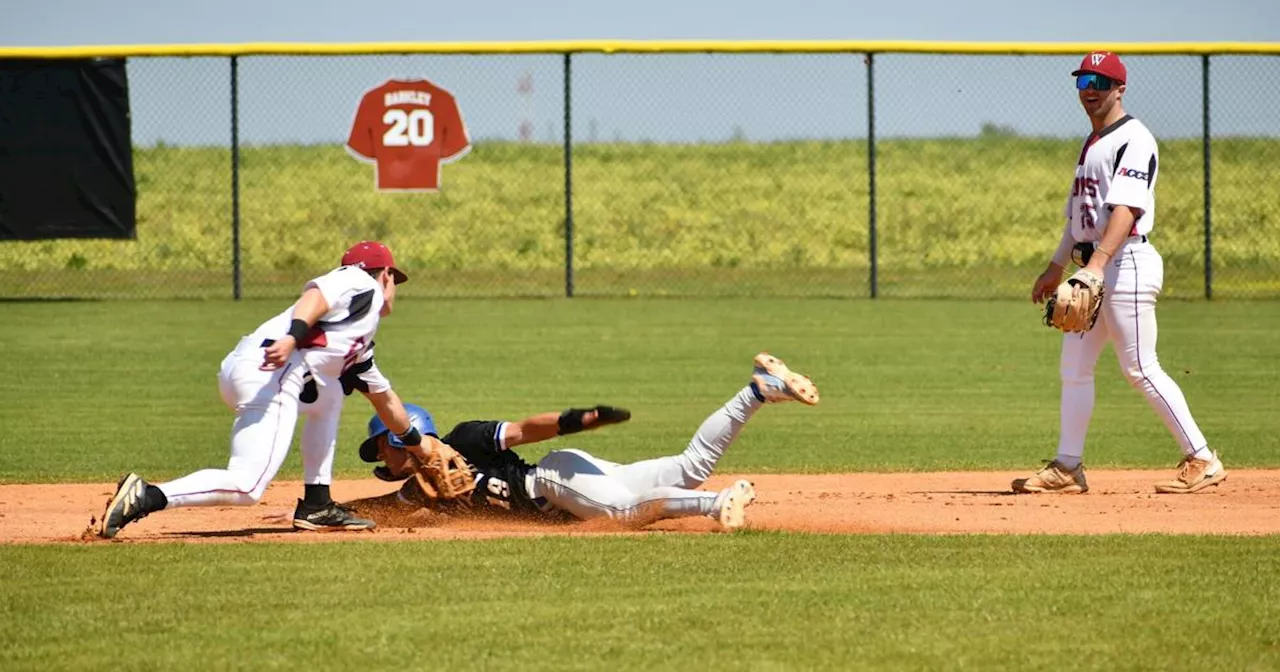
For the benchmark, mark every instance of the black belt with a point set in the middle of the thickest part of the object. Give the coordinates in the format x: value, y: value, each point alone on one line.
x: 1081, y: 253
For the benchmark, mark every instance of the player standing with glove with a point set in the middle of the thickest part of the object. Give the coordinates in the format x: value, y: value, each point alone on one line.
x: 323, y: 339
x: 1110, y: 212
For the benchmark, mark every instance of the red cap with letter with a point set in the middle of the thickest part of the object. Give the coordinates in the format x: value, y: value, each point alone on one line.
x: 1103, y: 63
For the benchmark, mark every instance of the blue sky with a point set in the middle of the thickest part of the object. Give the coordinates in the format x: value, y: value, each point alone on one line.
x: 51, y: 22
x: 683, y: 98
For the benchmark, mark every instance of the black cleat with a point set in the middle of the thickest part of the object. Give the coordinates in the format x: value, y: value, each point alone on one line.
x: 331, y: 517
x: 125, y: 507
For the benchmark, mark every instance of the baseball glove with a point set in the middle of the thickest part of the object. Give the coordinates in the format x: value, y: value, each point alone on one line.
x: 1074, y: 307
x: 442, y: 474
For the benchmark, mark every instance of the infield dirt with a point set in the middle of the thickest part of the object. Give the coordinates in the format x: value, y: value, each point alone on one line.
x: 1119, y: 502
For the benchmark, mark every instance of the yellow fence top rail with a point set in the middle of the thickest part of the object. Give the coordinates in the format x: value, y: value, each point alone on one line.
x: 638, y: 47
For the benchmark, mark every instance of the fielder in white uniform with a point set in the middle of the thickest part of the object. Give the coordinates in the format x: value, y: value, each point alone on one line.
x: 320, y: 345
x: 1110, y: 214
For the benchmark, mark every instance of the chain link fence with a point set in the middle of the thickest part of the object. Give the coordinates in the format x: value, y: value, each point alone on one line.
x: 709, y: 174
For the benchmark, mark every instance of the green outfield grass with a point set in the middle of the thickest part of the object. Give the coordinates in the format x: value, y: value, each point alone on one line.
x: 956, y: 217
x: 95, y: 389
x: 743, y: 601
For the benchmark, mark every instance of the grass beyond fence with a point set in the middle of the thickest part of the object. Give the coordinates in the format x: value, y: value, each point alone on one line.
x: 957, y: 217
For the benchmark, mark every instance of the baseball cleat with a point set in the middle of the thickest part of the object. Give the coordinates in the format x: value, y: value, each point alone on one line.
x: 331, y: 517
x: 1054, y: 477
x: 733, y: 502
x: 1193, y: 476
x: 125, y: 507
x: 776, y: 383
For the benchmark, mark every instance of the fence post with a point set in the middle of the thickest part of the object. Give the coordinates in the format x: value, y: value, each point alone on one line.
x: 235, y: 177
x: 1208, y: 179
x: 871, y: 170
x: 568, y: 179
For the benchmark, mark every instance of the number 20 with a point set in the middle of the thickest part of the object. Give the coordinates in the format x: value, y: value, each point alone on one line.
x: 416, y: 128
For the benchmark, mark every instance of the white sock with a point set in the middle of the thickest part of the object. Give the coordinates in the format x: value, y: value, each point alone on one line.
x: 1076, y: 411
x: 1203, y: 453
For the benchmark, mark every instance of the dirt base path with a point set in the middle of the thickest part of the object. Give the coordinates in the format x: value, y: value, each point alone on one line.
x: 927, y: 503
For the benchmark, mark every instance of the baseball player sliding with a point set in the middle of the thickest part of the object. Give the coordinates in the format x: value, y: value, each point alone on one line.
x: 572, y: 484
x: 311, y: 352
x: 1110, y: 214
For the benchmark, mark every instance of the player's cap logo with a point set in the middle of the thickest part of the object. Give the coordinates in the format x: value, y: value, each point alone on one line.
x: 1103, y: 63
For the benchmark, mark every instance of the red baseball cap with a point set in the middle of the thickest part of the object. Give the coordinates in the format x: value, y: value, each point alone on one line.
x: 372, y: 254
x: 1103, y: 63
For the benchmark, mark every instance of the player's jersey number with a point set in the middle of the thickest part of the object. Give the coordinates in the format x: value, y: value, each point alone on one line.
x: 415, y: 128
x: 499, y: 494
x: 1087, y: 220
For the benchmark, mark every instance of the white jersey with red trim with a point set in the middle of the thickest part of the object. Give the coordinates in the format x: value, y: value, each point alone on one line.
x: 1117, y: 166
x: 267, y: 402
x: 344, y: 335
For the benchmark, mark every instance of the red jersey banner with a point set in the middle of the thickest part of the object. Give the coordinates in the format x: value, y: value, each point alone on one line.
x: 408, y: 128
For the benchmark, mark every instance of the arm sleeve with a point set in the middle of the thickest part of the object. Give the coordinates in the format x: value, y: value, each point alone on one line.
x: 332, y: 287
x: 1133, y: 181
x: 373, y: 379
x: 477, y: 437
x: 363, y: 375
x: 347, y: 292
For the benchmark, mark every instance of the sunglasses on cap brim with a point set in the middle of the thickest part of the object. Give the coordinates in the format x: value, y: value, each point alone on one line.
x: 1095, y: 81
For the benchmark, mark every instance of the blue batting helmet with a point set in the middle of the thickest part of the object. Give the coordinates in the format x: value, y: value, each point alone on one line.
x: 419, y: 417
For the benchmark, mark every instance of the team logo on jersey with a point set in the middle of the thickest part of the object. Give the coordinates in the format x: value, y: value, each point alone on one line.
x: 1131, y: 172
x: 1098, y: 59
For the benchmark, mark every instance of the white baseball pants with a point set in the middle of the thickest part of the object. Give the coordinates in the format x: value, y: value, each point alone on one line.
x: 640, y: 493
x: 266, y: 408
x: 320, y: 433
x: 1127, y: 321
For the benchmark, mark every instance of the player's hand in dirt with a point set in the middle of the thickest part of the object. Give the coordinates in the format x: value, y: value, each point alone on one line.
x: 1046, y: 284
x: 275, y: 355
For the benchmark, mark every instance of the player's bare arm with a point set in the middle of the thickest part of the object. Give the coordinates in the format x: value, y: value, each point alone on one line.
x: 309, y: 309
x: 391, y: 411
x: 1118, y: 227
x: 1049, y: 280
x: 544, y: 426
